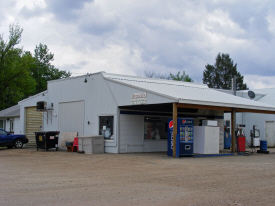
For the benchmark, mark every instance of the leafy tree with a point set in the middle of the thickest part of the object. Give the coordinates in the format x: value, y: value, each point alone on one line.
x: 181, y: 77
x: 44, y: 71
x: 178, y: 77
x: 15, y: 80
x: 21, y: 73
x: 220, y: 75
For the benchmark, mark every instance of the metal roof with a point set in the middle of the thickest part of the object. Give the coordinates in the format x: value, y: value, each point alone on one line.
x: 267, y: 95
x: 13, y: 111
x: 188, y: 93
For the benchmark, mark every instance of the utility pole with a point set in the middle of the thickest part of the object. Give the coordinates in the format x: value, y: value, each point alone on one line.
x: 234, y: 84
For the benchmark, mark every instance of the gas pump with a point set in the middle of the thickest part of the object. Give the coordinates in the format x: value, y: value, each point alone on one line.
x: 255, y: 136
x: 240, y: 137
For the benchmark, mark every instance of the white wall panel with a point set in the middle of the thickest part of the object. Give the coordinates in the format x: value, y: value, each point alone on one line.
x: 122, y: 95
x: 250, y: 119
x: 98, y: 98
x: 155, y: 146
x: 131, y: 132
x: 7, y: 126
x: 16, y: 125
x: 71, y: 117
x: 132, y: 135
x: 269, y: 133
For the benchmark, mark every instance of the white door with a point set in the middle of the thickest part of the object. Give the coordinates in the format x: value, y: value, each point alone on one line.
x: 71, y: 117
x: 269, y: 132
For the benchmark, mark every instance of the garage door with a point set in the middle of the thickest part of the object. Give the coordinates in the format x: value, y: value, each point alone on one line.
x: 34, y: 120
x: 71, y: 117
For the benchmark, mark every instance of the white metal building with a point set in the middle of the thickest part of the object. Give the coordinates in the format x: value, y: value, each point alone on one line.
x: 130, y: 111
x: 265, y: 122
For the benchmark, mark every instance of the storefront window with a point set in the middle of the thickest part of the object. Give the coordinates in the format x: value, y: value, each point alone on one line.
x: 155, y: 128
x: 106, y: 127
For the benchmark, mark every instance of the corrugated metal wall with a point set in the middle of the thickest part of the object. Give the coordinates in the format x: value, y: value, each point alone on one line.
x: 34, y: 120
x: 7, y: 125
x: 250, y: 119
x: 71, y: 117
x: 131, y: 132
x: 122, y: 94
x: 269, y: 131
x: 132, y: 135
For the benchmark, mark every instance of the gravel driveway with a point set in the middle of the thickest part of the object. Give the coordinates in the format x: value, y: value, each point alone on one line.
x: 30, y: 177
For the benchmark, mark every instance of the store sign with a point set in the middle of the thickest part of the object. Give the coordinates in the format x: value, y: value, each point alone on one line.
x: 139, y: 98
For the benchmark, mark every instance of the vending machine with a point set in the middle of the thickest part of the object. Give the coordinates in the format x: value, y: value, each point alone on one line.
x: 184, y: 139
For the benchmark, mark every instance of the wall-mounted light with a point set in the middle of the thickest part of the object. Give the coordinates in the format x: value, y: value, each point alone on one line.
x: 43, y: 94
x: 85, y: 80
x: 88, y: 122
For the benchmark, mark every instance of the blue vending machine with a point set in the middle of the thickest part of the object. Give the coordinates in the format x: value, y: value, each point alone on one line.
x: 185, y: 137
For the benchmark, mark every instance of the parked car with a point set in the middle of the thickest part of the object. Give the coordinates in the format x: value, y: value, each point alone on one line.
x: 12, y: 140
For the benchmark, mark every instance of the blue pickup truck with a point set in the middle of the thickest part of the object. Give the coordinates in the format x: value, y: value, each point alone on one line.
x: 12, y: 140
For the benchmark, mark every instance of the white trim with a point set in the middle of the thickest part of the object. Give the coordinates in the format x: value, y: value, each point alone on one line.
x: 34, y: 96
x: 109, y: 143
x: 261, y: 106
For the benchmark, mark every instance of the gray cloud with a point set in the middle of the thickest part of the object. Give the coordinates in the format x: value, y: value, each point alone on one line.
x: 74, y: 67
x: 5, y: 8
x: 165, y: 36
x: 66, y: 10
x: 27, y: 13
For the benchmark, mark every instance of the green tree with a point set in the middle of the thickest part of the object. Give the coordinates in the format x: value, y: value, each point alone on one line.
x: 181, y: 77
x: 15, y: 80
x: 220, y: 75
x: 43, y: 70
x: 177, y: 77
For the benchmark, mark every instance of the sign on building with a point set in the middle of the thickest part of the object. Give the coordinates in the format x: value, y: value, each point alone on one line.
x: 139, y: 98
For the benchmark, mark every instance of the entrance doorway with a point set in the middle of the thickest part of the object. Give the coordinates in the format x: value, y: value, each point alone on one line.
x: 269, y: 132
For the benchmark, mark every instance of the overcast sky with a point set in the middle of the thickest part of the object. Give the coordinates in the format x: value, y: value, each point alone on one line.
x: 133, y: 36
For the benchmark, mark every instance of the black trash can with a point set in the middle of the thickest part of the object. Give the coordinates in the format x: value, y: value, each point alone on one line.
x: 47, y: 140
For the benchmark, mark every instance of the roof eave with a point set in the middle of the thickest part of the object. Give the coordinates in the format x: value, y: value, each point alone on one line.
x: 227, y: 107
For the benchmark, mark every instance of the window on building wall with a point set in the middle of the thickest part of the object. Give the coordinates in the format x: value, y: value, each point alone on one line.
x: 2, y: 124
x: 155, y: 128
x: 106, y: 127
x: 11, y: 125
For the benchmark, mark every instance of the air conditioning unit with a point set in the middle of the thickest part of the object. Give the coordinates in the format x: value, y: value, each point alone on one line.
x: 41, y: 106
